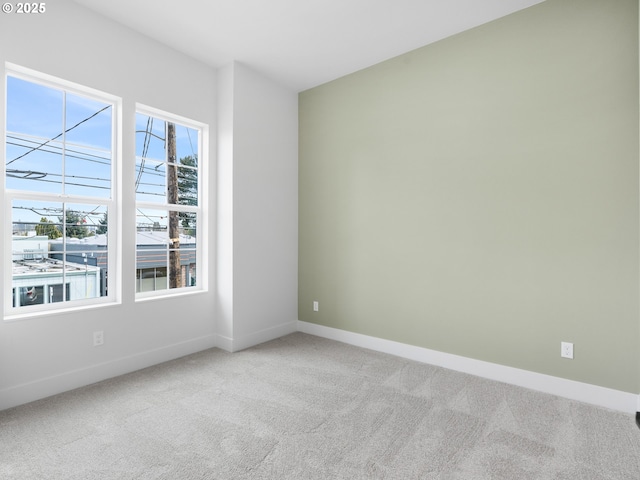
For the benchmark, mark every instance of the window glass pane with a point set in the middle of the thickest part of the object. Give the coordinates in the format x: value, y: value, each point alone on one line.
x: 187, y: 184
x: 188, y: 226
x: 31, y: 166
x: 34, y: 224
x: 152, y: 226
x: 166, y: 243
x: 88, y: 122
x: 160, y: 145
x: 152, y: 246
x: 88, y: 172
x: 150, y: 181
x: 85, y: 224
x: 187, y: 142
x: 154, y: 276
x: 57, y: 142
x: 42, y: 256
x: 150, y: 137
x: 182, y: 254
x: 88, y: 140
x: 31, y: 219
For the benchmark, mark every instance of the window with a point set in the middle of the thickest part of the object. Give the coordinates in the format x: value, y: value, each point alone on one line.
x: 169, y: 221
x: 60, y: 173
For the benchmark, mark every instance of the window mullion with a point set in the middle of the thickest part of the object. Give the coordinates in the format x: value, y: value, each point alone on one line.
x: 64, y: 141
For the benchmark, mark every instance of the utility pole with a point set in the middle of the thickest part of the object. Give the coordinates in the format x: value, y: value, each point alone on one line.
x: 175, y: 269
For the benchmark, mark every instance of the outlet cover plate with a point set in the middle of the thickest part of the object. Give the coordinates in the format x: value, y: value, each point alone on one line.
x: 566, y: 350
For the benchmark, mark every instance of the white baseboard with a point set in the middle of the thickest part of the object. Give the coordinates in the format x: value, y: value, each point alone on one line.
x: 45, y: 387
x: 583, y: 392
x: 241, y: 342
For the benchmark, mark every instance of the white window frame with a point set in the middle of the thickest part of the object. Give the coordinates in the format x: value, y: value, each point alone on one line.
x: 113, y: 203
x: 201, y: 211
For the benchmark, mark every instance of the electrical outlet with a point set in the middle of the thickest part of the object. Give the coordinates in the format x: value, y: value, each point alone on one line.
x: 98, y: 338
x: 566, y: 350
x: 316, y: 306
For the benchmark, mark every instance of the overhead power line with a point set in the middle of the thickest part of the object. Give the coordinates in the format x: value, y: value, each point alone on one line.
x: 38, y: 147
x: 57, y: 150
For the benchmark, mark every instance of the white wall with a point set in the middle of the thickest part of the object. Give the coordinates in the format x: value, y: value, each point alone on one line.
x: 224, y: 265
x: 258, y: 243
x: 44, y: 355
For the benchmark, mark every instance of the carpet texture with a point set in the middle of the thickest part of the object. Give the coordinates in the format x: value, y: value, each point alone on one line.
x: 302, y: 407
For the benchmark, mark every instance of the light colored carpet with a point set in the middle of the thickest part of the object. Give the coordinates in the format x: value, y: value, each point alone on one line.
x: 303, y: 407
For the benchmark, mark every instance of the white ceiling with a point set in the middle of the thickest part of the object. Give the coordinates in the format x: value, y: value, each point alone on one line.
x: 301, y: 43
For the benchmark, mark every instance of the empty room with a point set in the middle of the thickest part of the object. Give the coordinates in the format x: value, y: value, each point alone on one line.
x: 320, y: 240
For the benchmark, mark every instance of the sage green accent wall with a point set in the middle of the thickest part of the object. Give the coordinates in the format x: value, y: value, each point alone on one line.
x: 479, y: 196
